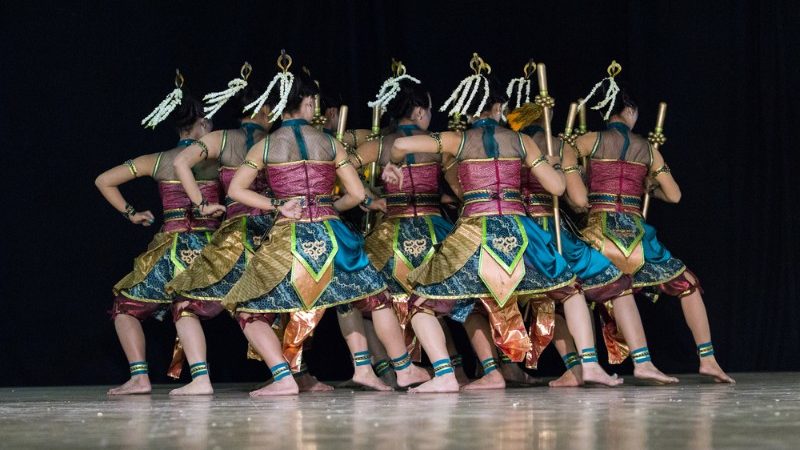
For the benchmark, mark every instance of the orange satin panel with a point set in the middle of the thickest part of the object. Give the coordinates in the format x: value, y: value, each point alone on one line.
x: 300, y: 326
x: 508, y: 329
x: 307, y: 289
x: 500, y: 283
x: 401, y: 308
x: 617, y: 348
x: 178, y: 357
x: 543, y: 325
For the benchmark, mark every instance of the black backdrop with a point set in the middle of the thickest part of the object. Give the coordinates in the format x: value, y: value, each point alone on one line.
x: 77, y: 79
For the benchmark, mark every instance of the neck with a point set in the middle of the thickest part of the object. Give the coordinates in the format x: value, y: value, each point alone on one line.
x: 407, y: 122
x: 620, y: 119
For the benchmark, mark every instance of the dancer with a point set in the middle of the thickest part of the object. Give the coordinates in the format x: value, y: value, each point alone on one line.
x: 600, y: 280
x: 621, y: 163
x: 311, y: 261
x: 493, y: 253
x: 412, y: 224
x: 222, y: 261
x: 187, y: 229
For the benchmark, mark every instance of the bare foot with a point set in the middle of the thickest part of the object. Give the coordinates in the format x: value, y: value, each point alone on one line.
x: 461, y: 376
x: 515, y: 374
x: 594, y: 374
x: 412, y: 375
x: 647, y: 371
x: 139, y: 384
x: 285, y: 386
x: 366, y: 377
x: 494, y: 380
x: 309, y: 383
x: 710, y: 368
x: 444, y: 383
x: 571, y: 378
x: 198, y: 386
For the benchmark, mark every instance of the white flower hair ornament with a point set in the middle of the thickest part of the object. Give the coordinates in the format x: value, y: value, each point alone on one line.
x: 215, y: 100
x: 613, y: 70
x: 284, y: 80
x: 464, y: 94
x: 172, y: 101
x: 521, y: 87
x: 391, y: 86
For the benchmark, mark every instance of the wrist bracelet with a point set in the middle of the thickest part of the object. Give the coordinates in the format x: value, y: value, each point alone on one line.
x: 129, y: 211
x: 539, y: 161
x: 367, y: 201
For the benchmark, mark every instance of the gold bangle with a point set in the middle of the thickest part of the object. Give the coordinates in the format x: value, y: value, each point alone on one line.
x: 343, y: 163
x: 438, y: 138
x: 355, y: 137
x: 663, y: 169
x: 250, y: 164
x: 569, y: 169
x: 132, y: 168
x: 539, y: 161
x: 203, y: 149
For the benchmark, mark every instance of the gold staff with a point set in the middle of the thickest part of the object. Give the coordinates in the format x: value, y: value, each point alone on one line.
x: 546, y: 102
x: 657, y: 139
x: 372, y: 168
x: 340, y: 127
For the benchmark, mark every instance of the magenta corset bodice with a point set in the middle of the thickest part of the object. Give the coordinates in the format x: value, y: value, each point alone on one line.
x: 419, y: 193
x: 234, y: 208
x: 537, y: 200
x: 491, y: 186
x: 180, y: 214
x: 616, y: 185
x: 310, y: 181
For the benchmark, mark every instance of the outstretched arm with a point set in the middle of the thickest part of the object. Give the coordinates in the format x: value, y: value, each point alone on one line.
x: 109, y: 181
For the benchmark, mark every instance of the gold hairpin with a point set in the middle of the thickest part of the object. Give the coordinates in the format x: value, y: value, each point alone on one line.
x: 284, y: 61
x: 614, y: 69
x: 246, y: 70
x: 178, y: 79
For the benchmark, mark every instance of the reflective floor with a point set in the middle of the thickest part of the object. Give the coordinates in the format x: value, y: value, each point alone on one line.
x: 761, y: 411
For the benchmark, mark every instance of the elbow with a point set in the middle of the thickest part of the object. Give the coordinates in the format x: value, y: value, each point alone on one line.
x: 358, y: 194
x: 580, y: 201
x: 179, y: 163
x: 675, y: 197
x: 234, y: 193
x: 559, y: 187
x: 100, y: 181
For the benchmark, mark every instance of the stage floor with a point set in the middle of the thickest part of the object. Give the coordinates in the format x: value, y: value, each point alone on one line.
x: 761, y: 411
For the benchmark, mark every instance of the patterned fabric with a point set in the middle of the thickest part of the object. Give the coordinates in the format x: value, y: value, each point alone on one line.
x: 591, y: 267
x: 543, y: 269
x: 223, y: 260
x: 407, y: 241
x: 176, y: 257
x: 353, y: 277
x: 659, y: 265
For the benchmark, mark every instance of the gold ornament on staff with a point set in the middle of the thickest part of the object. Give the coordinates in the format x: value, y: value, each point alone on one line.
x: 546, y: 102
x: 656, y: 139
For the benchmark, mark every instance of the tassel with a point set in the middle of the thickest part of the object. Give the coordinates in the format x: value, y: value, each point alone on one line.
x: 215, y: 100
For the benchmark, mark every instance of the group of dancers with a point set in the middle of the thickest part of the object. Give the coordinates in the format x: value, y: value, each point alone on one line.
x: 251, y: 226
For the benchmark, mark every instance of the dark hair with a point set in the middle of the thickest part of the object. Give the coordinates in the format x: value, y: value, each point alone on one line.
x: 303, y: 86
x: 186, y: 114
x: 329, y: 101
x: 496, y: 93
x: 623, y: 98
x: 409, y: 97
